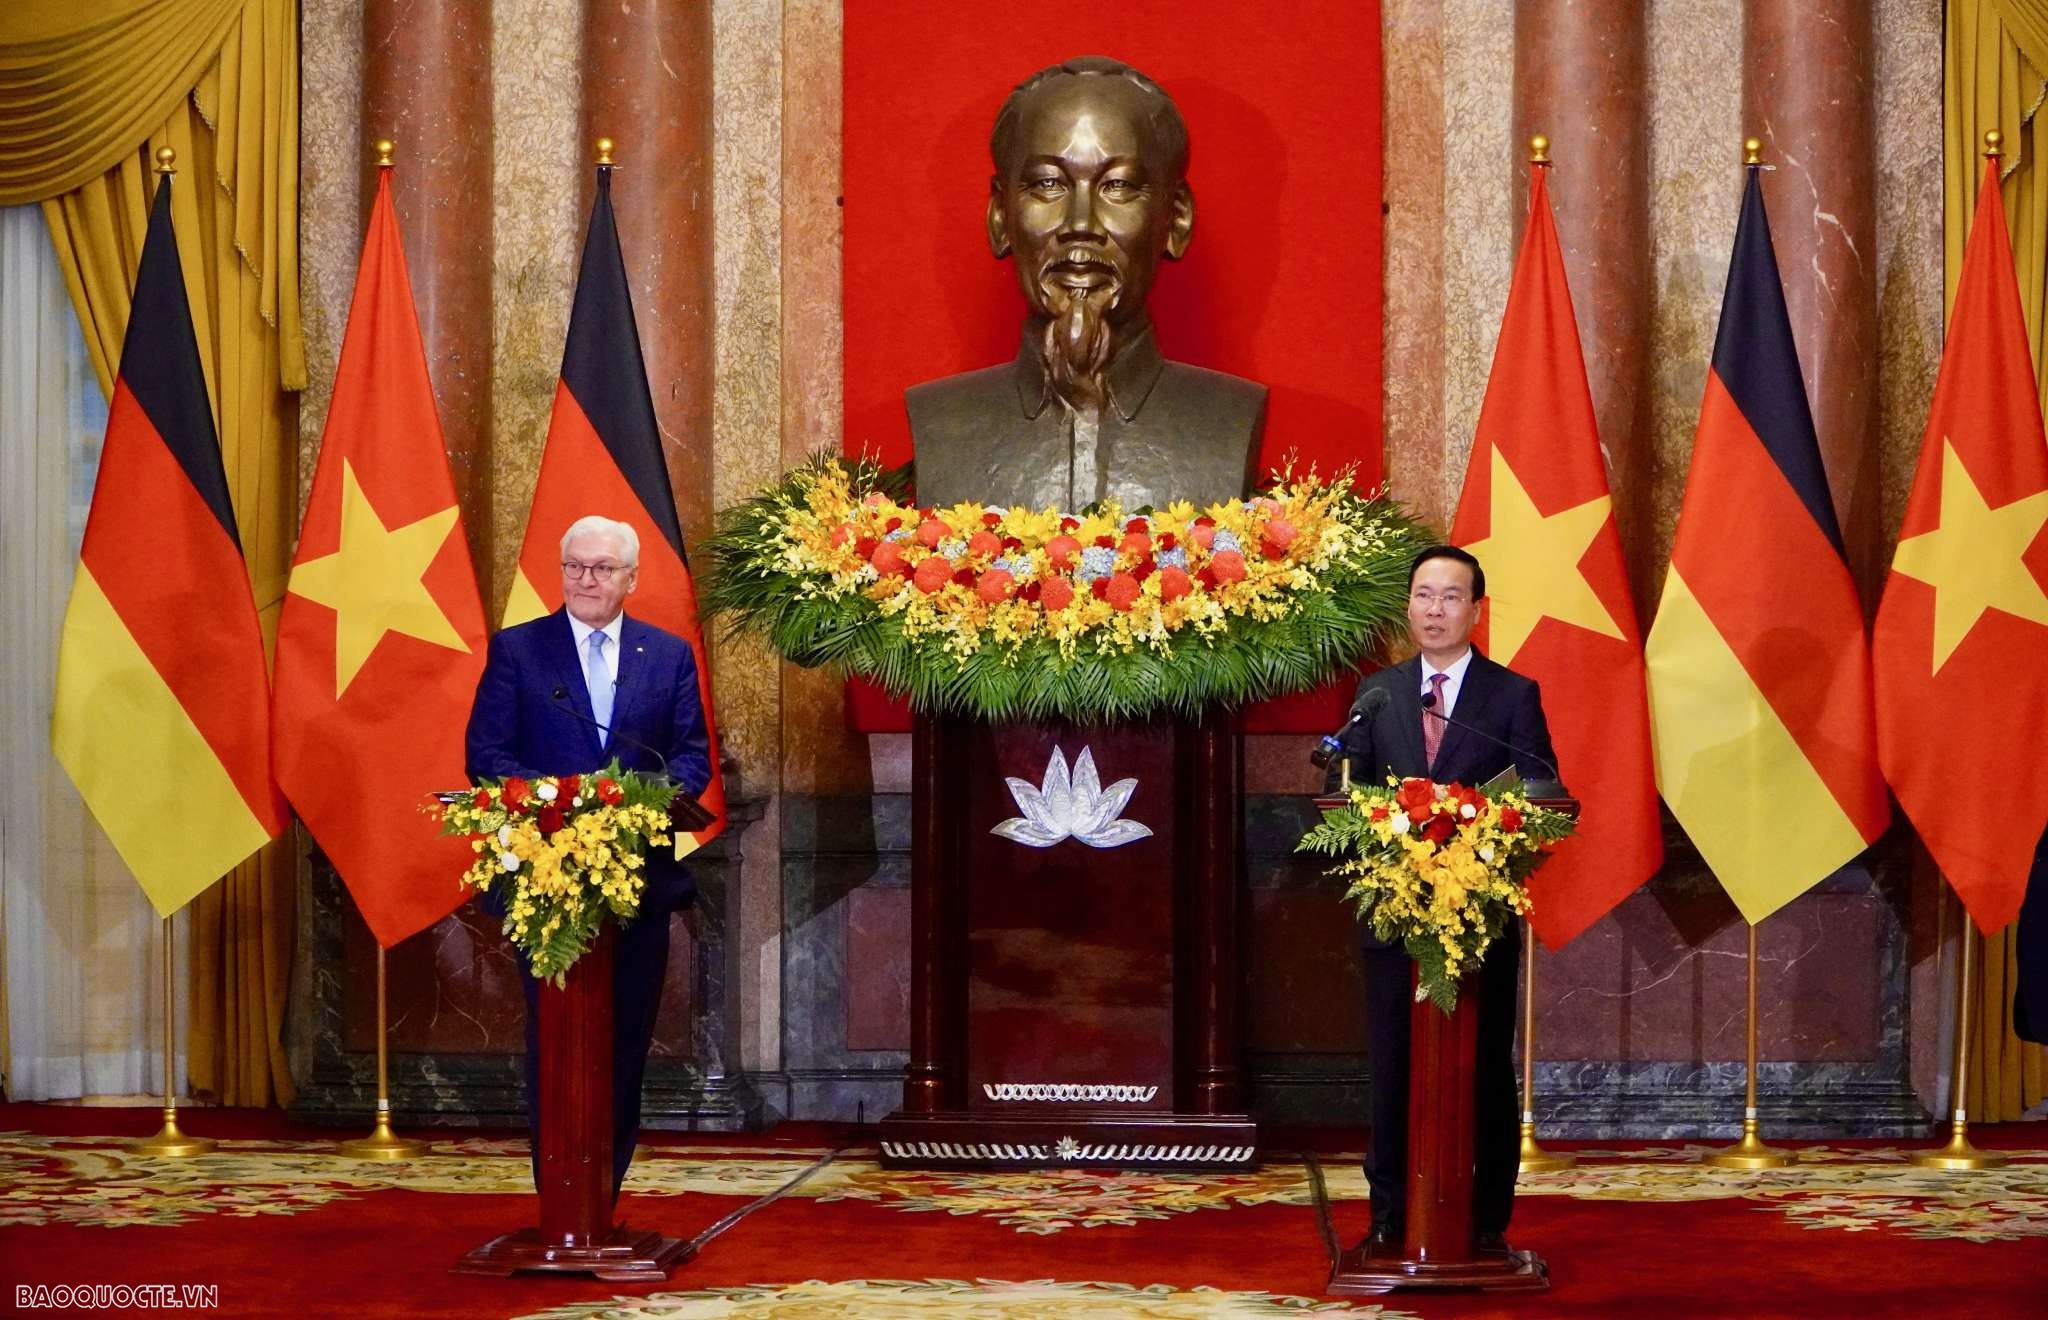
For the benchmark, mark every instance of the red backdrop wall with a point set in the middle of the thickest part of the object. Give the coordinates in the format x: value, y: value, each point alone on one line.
x: 1282, y: 281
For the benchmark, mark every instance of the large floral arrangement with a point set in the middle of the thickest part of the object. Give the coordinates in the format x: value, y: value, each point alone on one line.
x: 1439, y: 867
x: 1100, y: 614
x: 563, y: 852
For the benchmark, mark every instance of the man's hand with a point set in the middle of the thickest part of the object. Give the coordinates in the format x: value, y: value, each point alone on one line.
x: 687, y: 813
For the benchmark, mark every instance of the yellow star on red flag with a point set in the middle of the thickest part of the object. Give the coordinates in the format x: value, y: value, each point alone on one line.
x: 1974, y: 559
x: 1532, y: 565
x: 376, y: 581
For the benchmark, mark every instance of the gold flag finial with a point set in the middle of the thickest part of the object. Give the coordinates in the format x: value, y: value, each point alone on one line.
x: 604, y: 153
x: 385, y: 146
x: 166, y: 160
x: 1539, y: 150
x: 1752, y: 151
x: 1994, y: 143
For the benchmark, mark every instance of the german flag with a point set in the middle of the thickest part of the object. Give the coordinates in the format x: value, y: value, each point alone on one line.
x: 1537, y: 512
x: 382, y: 637
x: 1962, y: 631
x: 603, y: 456
x: 1760, y: 687
x: 162, y: 713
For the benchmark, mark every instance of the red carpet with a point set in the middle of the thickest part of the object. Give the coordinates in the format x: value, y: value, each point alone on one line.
x: 282, y: 1227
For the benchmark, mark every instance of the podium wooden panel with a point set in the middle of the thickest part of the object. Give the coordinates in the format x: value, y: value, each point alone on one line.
x: 576, y: 1234
x: 1073, y: 1004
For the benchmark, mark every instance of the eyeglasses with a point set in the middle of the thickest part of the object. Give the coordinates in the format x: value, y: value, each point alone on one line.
x: 598, y: 572
x: 1450, y: 600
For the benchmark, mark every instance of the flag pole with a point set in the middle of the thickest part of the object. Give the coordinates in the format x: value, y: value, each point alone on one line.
x: 382, y: 1143
x: 169, y: 1142
x: 1534, y: 1159
x: 1751, y: 1152
x: 1959, y: 1154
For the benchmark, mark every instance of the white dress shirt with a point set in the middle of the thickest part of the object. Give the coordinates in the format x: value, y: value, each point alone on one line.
x: 1454, y: 678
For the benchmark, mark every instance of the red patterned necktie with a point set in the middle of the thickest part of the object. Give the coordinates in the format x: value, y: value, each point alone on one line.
x: 1432, y: 725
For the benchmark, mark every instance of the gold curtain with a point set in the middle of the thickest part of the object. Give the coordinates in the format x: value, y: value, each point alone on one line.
x: 81, y: 82
x: 1993, y: 78
x: 235, y: 127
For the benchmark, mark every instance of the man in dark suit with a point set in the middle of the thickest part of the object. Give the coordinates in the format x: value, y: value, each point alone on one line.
x: 562, y: 695
x: 1445, y: 586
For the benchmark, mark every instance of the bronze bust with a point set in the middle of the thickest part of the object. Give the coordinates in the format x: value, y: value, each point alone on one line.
x: 1089, y: 192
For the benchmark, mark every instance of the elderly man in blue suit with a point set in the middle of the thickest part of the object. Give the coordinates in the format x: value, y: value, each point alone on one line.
x: 564, y: 694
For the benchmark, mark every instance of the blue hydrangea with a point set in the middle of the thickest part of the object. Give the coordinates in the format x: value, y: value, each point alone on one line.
x: 900, y: 534
x: 953, y: 547
x: 1174, y: 558
x: 1096, y: 561
x: 1224, y: 541
x: 1016, y: 565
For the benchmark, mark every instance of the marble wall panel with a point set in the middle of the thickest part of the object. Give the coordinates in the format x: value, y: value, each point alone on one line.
x: 1414, y: 235
x: 878, y: 943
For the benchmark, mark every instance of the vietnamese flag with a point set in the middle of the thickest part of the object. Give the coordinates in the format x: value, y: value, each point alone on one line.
x: 381, y: 640
x: 603, y: 456
x: 1760, y: 687
x: 162, y: 712
x: 1961, y: 638
x: 1537, y: 512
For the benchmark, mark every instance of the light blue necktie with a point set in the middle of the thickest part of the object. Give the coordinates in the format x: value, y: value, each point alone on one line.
x: 599, y: 681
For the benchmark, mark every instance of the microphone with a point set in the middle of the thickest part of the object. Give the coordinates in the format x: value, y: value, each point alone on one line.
x: 1370, y: 703
x: 1535, y: 788
x: 560, y: 696
x: 689, y: 814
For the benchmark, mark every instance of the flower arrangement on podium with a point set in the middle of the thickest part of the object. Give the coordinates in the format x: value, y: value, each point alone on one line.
x: 562, y: 853
x: 1439, y: 868
x: 1098, y: 614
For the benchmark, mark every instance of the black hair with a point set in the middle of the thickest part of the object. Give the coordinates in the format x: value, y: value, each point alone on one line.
x: 1464, y: 557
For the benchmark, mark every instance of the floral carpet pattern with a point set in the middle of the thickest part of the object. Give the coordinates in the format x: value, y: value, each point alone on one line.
x: 95, y: 1181
x: 1040, y: 1299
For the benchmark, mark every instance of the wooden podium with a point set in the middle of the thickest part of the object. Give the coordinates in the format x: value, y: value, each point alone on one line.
x: 1073, y: 1004
x: 1437, y: 1251
x: 576, y: 1234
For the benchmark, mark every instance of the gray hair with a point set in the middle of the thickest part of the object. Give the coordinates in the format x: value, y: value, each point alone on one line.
x: 1169, y: 130
x: 598, y: 525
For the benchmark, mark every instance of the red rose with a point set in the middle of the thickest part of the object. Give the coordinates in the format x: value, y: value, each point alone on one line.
x: 1415, y: 796
x: 1099, y: 588
x: 1469, y: 797
x: 1173, y: 583
x: 892, y: 524
x: 1060, y: 551
x: 609, y: 792
x: 1106, y: 542
x: 964, y: 577
x: 995, y: 586
x: 1012, y: 543
x: 865, y: 547
x: 1069, y: 524
x: 571, y: 785
x: 549, y: 818
x: 1440, y: 828
x: 984, y: 543
x: 1205, y: 521
x: 482, y: 800
x: 1511, y: 820
x: 1207, y: 578
x: 1228, y: 566
x: 1122, y: 592
x: 514, y: 793
x: 1057, y: 594
x: 991, y: 519
x: 933, y: 573
x: 1167, y: 540
x: 1380, y: 812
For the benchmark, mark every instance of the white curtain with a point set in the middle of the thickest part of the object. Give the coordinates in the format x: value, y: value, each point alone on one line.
x: 83, y: 982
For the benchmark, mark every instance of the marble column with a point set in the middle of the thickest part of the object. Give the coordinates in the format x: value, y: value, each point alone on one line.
x: 1582, y: 80
x: 647, y: 86
x: 427, y: 86
x: 1809, y: 68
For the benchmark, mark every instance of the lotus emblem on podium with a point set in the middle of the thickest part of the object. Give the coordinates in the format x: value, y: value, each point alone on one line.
x: 1074, y: 806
